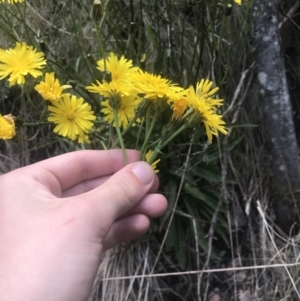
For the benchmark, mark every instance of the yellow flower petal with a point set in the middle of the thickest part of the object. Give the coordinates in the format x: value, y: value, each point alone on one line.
x: 205, y: 106
x: 50, y: 89
x: 153, y: 165
x: 125, y: 113
x: 72, y: 116
x: 153, y: 86
x: 7, y: 127
x: 19, y: 61
x: 120, y: 69
x: 11, y: 1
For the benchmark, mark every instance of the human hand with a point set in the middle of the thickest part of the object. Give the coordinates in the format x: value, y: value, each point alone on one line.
x: 58, y: 215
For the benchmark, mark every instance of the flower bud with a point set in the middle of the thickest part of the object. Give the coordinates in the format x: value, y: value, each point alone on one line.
x: 194, y: 119
x: 143, y: 107
x: 115, y: 100
x: 97, y: 10
x: 170, y: 128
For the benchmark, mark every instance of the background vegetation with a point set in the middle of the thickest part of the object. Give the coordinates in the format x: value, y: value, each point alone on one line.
x: 220, y: 212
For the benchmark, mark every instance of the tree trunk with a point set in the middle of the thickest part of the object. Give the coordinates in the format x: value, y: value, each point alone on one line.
x: 277, y: 111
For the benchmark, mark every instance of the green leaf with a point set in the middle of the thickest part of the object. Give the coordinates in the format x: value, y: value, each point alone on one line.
x: 208, y: 172
x: 202, y: 241
x: 172, y: 238
x: 181, y: 247
x: 171, y: 194
x: 200, y: 195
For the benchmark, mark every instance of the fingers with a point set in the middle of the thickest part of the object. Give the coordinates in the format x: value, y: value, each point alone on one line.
x: 88, y: 185
x: 136, y: 221
x: 126, y: 229
x: 152, y: 205
x: 120, y: 193
x: 84, y: 186
x: 75, y: 167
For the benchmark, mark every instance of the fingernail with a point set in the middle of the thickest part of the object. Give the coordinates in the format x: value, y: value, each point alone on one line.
x: 143, y: 171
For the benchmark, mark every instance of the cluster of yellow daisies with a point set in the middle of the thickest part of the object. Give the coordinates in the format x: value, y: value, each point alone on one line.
x: 72, y: 116
x: 126, y: 96
x: 132, y: 92
x: 129, y: 97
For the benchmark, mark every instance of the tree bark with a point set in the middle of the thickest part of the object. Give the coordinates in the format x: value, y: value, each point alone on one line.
x: 277, y: 109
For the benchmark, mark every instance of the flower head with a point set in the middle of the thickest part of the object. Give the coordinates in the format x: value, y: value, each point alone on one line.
x: 153, y: 86
x: 120, y: 69
x: 108, y: 89
x: 239, y: 2
x: 125, y: 110
x: 19, y: 61
x: 203, y: 90
x: 179, y: 105
x: 82, y: 137
x: 50, y: 89
x: 7, y: 127
x: 205, y: 108
x: 153, y: 165
x: 11, y: 1
x: 72, y: 116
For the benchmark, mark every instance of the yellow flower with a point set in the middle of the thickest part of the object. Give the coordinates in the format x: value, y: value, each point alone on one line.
x: 111, y: 88
x: 205, y: 107
x: 239, y: 2
x: 72, y: 116
x: 120, y: 68
x: 153, y: 86
x: 50, y: 89
x: 19, y: 61
x: 7, y: 127
x: 81, y: 138
x: 179, y: 105
x: 153, y: 165
x: 11, y: 1
x: 125, y: 111
x: 213, y: 124
x: 203, y: 90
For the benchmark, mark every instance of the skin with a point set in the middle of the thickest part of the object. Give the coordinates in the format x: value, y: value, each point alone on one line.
x: 58, y: 215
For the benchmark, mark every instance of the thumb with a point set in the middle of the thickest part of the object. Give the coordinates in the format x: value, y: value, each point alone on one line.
x: 122, y: 191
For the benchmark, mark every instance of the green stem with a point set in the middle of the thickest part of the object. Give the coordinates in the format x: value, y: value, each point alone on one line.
x: 129, y: 125
x: 150, y: 146
x: 188, y: 113
x: 29, y: 98
x: 182, y: 128
x: 161, y: 144
x: 104, y: 14
x: 98, y: 30
x: 116, y: 120
x: 148, y: 131
x: 100, y: 44
x: 139, y: 133
x: 147, y: 122
x: 30, y: 139
x: 155, y: 152
x: 36, y: 124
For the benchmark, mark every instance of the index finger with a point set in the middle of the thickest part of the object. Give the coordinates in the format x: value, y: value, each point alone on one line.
x: 75, y: 167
